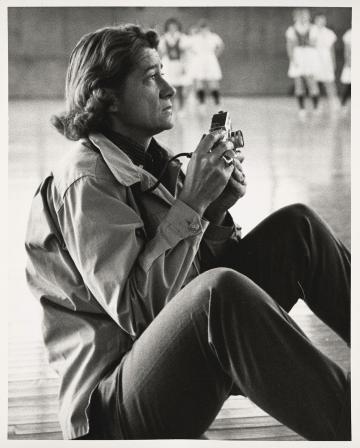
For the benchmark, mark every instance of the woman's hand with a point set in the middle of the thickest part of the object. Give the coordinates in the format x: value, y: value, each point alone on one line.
x: 234, y: 190
x: 207, y: 173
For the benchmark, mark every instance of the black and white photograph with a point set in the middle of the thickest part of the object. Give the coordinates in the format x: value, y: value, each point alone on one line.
x: 179, y: 223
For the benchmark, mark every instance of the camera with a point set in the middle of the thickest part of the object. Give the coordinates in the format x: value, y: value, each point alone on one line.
x: 219, y: 121
x: 222, y: 121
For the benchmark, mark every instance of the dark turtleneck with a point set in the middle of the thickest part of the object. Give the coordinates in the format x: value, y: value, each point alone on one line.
x: 152, y: 159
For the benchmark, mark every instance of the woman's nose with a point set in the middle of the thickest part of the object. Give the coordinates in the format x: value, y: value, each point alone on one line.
x: 167, y: 90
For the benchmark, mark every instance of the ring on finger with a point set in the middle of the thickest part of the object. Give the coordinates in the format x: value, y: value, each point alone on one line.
x: 228, y: 160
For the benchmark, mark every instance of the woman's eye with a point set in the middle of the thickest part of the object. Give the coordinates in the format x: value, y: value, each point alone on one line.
x: 156, y: 76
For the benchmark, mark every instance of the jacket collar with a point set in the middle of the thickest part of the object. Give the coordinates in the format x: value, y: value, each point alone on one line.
x: 121, y: 166
x: 124, y: 170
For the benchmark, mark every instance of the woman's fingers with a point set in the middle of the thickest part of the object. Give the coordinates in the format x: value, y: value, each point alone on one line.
x: 208, y: 142
x: 239, y: 155
x: 238, y: 173
x: 223, y: 148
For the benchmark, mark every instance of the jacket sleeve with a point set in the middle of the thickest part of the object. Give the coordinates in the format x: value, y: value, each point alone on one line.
x: 218, y: 243
x: 131, y: 278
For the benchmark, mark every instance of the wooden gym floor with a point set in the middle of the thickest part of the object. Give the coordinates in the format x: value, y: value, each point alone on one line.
x: 287, y: 160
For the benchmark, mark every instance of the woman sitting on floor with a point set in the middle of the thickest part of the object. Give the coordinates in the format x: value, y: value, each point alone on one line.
x: 155, y: 309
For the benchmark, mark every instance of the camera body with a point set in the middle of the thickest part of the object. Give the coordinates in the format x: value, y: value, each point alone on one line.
x: 222, y: 121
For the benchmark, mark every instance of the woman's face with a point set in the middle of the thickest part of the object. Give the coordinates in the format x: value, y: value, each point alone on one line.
x: 173, y: 28
x: 320, y: 21
x: 302, y: 16
x: 145, y: 100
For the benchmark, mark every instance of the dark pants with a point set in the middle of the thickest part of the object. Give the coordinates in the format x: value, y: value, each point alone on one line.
x: 228, y: 331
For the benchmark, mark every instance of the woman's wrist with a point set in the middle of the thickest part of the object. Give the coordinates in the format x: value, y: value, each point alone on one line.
x: 216, y: 217
x: 193, y: 203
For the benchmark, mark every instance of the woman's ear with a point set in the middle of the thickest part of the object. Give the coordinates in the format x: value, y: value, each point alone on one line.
x: 113, y: 101
x: 114, y: 104
x: 114, y: 107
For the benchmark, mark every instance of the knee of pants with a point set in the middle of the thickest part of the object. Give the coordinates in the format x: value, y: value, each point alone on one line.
x: 220, y: 279
x: 295, y: 214
x: 231, y: 289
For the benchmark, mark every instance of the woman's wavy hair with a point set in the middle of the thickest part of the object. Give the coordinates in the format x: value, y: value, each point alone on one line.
x: 98, y: 66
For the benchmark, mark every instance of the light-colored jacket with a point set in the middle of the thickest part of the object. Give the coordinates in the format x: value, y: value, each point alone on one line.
x: 104, y: 257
